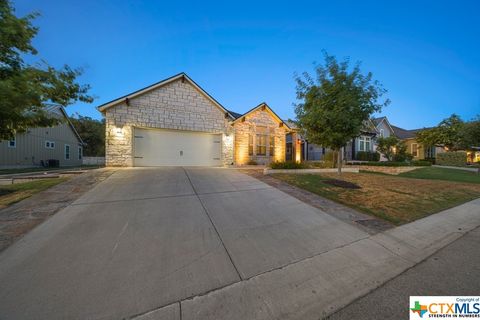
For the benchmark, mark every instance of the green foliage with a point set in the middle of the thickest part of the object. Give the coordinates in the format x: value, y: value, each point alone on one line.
x: 26, y: 89
x: 387, y: 146
x: 418, y: 163
x: 336, y: 103
x: 448, y: 133
x: 470, y: 134
x: 288, y: 165
x: 93, y: 134
x: 401, y: 153
x: 321, y: 164
x: 367, y: 156
x: 454, y: 158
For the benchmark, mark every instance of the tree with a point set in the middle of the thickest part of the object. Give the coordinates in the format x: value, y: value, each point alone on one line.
x: 448, y: 133
x: 401, y: 154
x: 334, y: 106
x: 26, y: 89
x: 387, y: 146
x: 93, y: 134
x: 470, y: 134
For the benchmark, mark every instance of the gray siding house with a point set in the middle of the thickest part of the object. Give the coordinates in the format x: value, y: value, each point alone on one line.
x: 38, y: 145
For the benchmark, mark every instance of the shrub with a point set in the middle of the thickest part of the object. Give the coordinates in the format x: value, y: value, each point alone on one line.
x: 367, y: 156
x: 396, y: 164
x: 288, y: 165
x: 456, y: 159
x: 321, y: 164
x: 421, y: 163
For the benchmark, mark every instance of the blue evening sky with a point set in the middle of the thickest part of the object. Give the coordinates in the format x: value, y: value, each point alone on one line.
x: 426, y: 53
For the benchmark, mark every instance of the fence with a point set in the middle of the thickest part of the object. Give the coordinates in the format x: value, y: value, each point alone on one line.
x: 99, y: 161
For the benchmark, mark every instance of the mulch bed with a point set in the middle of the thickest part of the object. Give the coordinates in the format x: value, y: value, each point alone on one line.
x: 342, y: 184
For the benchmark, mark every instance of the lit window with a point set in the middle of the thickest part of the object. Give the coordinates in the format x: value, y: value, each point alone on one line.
x: 272, y: 146
x: 250, y: 144
x: 414, y: 150
x: 261, y: 144
x: 67, y: 152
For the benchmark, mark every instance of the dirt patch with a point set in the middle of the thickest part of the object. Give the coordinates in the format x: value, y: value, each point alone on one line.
x: 21, y: 217
x: 341, y: 184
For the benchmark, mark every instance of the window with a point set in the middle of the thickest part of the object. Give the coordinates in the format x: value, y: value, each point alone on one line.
x: 272, y: 146
x: 80, y: 153
x: 261, y: 144
x: 430, y: 152
x: 414, y: 150
x: 67, y: 152
x: 364, y: 143
x: 381, y: 133
x: 49, y: 144
x: 250, y: 145
x: 368, y: 142
x: 13, y: 143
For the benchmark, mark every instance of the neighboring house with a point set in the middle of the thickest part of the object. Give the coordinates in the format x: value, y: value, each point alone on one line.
x: 384, y: 129
x: 38, y: 145
x: 416, y: 149
x: 365, y: 142
x: 176, y: 123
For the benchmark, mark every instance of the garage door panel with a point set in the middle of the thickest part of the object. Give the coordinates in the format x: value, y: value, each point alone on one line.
x: 176, y: 148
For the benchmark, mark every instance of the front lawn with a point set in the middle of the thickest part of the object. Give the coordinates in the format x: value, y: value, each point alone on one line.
x: 393, y: 198
x: 42, y: 169
x: 443, y: 174
x: 9, y: 194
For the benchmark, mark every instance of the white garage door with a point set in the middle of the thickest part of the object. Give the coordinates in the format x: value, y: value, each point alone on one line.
x: 176, y: 148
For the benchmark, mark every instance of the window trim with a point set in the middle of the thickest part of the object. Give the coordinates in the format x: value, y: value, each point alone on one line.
x: 382, y: 133
x: 365, y: 140
x: 260, y: 146
x: 50, y: 142
x: 271, y: 145
x: 65, y: 152
x: 80, y: 152
x: 250, y: 144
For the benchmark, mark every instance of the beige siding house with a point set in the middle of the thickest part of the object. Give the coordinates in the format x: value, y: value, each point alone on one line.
x: 38, y: 145
x: 176, y: 123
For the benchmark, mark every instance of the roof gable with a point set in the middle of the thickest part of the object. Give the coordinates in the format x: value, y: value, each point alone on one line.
x: 181, y: 76
x: 258, y: 107
x: 58, y: 110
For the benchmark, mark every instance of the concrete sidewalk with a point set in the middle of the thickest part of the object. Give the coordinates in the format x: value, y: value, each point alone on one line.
x: 452, y: 271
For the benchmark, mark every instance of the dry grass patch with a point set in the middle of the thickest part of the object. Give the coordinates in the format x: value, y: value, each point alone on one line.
x: 396, y: 199
x: 10, y: 194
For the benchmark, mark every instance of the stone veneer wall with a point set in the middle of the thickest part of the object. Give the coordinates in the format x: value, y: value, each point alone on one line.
x: 177, y: 105
x: 253, y: 120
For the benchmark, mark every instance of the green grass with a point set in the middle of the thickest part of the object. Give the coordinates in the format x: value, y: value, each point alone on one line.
x: 12, y: 193
x: 442, y: 174
x: 42, y: 169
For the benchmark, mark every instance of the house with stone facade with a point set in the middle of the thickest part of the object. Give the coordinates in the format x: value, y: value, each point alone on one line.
x: 176, y: 123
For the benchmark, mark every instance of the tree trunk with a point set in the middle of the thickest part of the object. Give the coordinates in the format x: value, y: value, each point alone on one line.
x: 339, y: 159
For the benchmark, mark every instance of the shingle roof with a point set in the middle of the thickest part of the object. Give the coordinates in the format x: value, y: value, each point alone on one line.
x: 236, y: 115
x: 403, y: 133
x: 377, y: 121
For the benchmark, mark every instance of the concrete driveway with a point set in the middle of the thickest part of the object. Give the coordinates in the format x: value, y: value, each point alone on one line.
x: 146, y: 238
